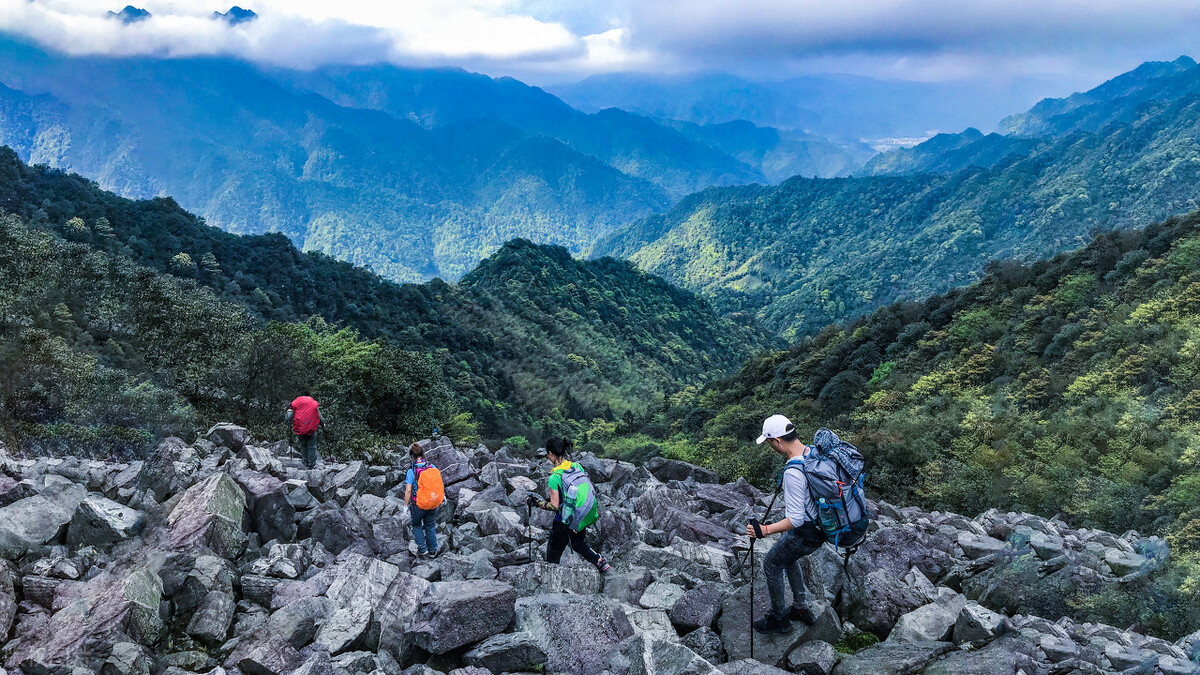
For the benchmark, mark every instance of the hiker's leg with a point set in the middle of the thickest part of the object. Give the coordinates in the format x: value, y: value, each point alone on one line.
x: 559, y: 536
x: 308, y: 450
x: 807, y: 538
x: 418, y: 526
x: 579, y: 544
x: 431, y: 530
x: 782, y: 556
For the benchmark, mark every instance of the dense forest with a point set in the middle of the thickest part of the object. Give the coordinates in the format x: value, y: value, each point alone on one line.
x: 812, y: 251
x: 193, y: 324
x: 1070, y: 386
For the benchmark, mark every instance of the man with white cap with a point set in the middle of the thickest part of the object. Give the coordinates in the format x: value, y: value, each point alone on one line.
x: 802, y: 534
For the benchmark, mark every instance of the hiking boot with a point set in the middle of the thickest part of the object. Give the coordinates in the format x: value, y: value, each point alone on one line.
x: 422, y: 555
x: 603, y: 565
x: 802, y: 614
x: 773, y: 625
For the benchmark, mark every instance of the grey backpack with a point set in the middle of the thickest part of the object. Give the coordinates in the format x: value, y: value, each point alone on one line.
x: 835, y: 483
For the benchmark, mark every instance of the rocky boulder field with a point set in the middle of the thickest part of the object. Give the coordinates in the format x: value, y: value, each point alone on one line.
x: 226, y: 556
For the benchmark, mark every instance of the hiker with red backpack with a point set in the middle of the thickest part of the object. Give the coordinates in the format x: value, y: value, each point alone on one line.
x: 423, y: 487
x: 573, y: 501
x: 823, y: 502
x: 305, y: 415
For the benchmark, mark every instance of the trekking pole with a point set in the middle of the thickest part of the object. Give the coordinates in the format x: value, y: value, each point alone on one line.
x: 754, y: 540
x: 752, y: 597
x: 529, y: 527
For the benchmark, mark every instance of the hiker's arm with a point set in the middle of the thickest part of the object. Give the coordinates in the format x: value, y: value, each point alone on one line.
x: 552, y: 505
x: 407, y: 493
x: 772, y: 528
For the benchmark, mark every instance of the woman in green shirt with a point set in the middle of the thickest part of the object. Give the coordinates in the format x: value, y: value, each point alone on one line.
x: 558, y: 451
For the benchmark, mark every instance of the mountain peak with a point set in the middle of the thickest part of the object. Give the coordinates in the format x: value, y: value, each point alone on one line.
x: 235, y: 15
x: 129, y: 15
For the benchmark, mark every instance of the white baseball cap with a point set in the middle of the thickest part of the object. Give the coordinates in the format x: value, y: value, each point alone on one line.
x: 774, y: 427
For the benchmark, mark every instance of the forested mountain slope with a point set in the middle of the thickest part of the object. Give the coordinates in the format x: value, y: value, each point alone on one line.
x: 1071, y: 386
x: 531, y: 342
x: 812, y: 251
x: 417, y: 173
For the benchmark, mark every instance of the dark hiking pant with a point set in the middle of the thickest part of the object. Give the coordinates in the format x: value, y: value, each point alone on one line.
x: 560, y: 535
x: 308, y: 449
x: 784, y: 560
x: 424, y: 528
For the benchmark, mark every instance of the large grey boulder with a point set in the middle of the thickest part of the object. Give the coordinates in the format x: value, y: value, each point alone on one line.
x: 929, y: 623
x: 267, y: 501
x: 557, y: 621
x: 813, y: 658
x: 210, y: 624
x: 706, y: 643
x: 750, y: 667
x: 1002, y: 657
x: 338, y: 529
x: 299, y: 622
x: 734, y: 626
x: 27, y: 524
x: 99, y: 521
x: 976, y: 623
x: 507, y: 653
x: 228, y: 435
x: 119, y: 605
x: 643, y: 655
x: 358, y: 587
x: 698, y: 607
x: 892, y: 658
x: 209, y: 515
x: 661, y: 595
x: 264, y: 654
x: 397, y: 612
x: 540, y: 577
x: 458, y: 613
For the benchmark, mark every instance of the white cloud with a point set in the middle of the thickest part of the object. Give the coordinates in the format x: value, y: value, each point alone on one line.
x: 557, y: 39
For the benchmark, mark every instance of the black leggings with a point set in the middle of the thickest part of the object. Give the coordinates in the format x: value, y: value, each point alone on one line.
x: 559, y: 536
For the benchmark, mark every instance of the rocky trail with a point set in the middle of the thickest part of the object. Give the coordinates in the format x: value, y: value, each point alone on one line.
x: 226, y: 556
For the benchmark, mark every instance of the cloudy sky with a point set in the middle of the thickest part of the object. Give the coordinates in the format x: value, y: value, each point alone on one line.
x: 547, y: 41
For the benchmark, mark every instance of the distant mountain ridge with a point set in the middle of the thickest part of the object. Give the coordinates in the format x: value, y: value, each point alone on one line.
x: 417, y: 173
x: 846, y: 107
x: 812, y: 251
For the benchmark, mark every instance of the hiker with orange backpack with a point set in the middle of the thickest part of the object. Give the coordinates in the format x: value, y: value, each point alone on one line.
x: 424, y: 492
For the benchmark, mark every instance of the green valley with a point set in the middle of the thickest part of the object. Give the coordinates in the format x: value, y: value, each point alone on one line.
x: 123, y: 320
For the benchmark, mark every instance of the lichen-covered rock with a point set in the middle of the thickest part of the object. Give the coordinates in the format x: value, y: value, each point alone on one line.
x: 120, y: 605
x: 209, y: 515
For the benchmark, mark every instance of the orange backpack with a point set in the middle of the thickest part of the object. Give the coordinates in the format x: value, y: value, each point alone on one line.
x: 430, y: 491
